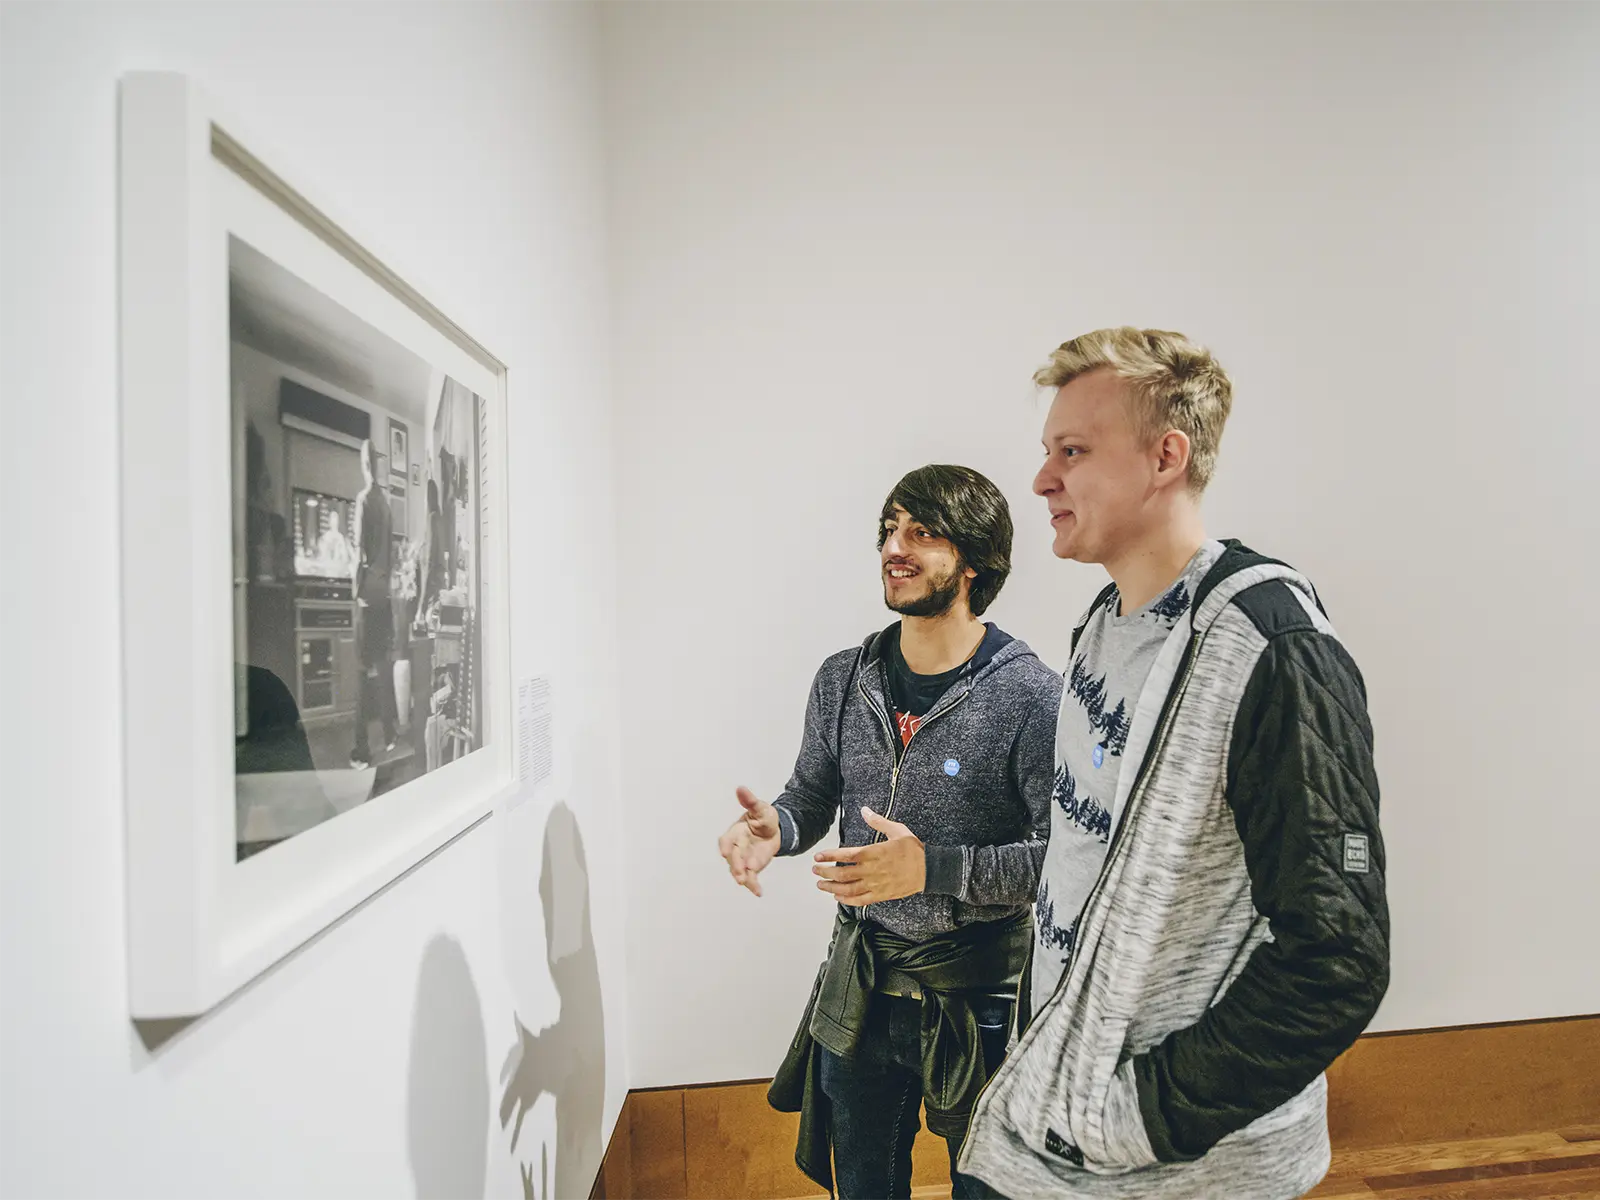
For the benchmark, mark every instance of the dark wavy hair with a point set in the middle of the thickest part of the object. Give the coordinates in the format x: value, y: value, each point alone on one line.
x: 960, y: 505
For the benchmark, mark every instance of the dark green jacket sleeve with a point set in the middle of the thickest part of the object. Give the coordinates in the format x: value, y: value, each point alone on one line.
x: 1304, y: 796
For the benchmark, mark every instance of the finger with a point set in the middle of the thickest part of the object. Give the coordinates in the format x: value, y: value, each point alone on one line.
x: 845, y: 854
x: 753, y: 882
x: 748, y: 799
x: 843, y: 873
x: 857, y: 896
x: 883, y: 824
x: 844, y: 891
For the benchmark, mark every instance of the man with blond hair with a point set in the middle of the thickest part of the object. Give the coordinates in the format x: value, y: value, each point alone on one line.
x: 1211, y: 930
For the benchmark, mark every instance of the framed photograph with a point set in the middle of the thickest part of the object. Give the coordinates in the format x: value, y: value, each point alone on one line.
x: 398, y: 460
x: 315, y: 668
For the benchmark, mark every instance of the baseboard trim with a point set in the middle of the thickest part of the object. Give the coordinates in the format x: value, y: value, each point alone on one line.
x: 1384, y: 1033
x: 721, y: 1141
x: 1474, y: 1080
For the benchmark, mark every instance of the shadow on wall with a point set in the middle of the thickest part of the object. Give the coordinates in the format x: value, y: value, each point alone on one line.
x: 447, y: 1101
x: 567, y: 1059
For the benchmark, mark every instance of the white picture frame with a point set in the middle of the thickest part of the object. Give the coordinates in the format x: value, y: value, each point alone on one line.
x: 204, y: 918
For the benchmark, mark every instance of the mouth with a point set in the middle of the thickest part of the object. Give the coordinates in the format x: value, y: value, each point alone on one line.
x: 898, y: 574
x: 1056, y: 518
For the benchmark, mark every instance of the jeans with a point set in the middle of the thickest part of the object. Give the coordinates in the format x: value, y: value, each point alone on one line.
x: 877, y: 1095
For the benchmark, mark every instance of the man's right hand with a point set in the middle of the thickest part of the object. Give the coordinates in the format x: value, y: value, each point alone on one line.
x: 752, y: 841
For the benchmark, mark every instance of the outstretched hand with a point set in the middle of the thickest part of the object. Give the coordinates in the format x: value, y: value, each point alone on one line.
x: 888, y: 870
x: 751, y: 842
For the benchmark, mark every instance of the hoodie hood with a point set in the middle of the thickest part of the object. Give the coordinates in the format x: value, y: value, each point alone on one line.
x: 997, y: 648
x: 1238, y: 569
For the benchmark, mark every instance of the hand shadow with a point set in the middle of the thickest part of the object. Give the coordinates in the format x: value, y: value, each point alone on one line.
x: 528, y: 1192
x: 566, y: 1059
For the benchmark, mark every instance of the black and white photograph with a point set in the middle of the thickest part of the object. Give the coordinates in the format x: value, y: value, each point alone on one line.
x: 357, y: 547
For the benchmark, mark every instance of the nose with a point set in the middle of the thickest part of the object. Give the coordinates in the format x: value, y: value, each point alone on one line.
x: 1044, y: 483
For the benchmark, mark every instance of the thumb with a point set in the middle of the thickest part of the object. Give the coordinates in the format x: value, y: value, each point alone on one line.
x: 883, y: 825
x: 748, y: 799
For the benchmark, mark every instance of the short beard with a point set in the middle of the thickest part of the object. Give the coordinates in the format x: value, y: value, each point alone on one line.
x: 942, y: 594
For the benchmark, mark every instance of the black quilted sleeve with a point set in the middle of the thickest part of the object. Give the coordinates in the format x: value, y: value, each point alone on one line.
x: 1304, y: 796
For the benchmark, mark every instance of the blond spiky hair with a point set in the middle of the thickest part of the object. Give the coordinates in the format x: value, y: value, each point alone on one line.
x: 1173, y: 383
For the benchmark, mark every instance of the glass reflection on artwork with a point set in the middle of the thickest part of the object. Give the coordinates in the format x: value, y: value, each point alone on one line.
x: 358, y: 539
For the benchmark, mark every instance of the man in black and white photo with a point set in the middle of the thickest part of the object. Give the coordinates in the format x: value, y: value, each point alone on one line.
x: 374, y: 615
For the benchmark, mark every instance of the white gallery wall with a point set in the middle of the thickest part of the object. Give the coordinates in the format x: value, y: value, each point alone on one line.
x: 843, y: 237
x: 464, y: 141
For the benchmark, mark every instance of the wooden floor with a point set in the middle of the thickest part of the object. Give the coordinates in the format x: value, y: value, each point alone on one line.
x: 1564, y: 1163
x: 1530, y: 1166
x: 1509, y: 1112
x: 1561, y: 1163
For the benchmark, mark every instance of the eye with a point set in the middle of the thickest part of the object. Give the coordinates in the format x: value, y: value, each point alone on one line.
x: 1071, y: 451
x: 925, y: 535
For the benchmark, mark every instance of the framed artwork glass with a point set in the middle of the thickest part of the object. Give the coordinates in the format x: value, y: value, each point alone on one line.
x: 312, y: 708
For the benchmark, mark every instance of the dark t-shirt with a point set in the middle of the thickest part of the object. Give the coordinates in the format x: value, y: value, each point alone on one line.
x: 911, y: 695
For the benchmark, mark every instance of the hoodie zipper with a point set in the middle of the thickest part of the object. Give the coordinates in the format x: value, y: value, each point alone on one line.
x: 1169, y: 707
x: 894, y: 773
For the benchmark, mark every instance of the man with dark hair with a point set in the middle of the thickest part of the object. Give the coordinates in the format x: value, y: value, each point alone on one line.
x: 933, y: 742
x: 374, y: 611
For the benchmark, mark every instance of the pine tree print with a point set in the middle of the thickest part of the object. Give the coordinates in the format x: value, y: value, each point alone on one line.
x: 1091, y: 693
x: 1065, y: 792
x: 1052, y: 936
x: 1115, y: 729
x: 1082, y: 811
x: 1173, y: 605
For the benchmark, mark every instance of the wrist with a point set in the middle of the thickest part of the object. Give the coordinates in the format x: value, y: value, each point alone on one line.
x: 788, y: 831
x: 943, y: 868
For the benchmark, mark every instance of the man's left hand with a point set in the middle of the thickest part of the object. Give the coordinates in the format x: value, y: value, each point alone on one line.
x: 887, y: 870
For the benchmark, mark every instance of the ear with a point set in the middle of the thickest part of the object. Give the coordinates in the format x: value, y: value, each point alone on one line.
x: 1172, y: 457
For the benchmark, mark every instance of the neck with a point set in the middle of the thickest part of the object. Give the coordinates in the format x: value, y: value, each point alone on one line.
x: 931, y: 645
x: 1148, y: 568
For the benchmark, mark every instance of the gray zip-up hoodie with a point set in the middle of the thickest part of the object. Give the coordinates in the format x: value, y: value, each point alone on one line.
x: 1237, y: 938
x: 973, y: 784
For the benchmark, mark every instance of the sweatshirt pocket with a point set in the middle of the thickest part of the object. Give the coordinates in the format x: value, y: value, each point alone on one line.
x: 1124, y: 1142
x: 1088, y: 1114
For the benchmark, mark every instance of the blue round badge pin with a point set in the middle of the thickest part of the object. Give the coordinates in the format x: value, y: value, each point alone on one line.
x: 951, y: 767
x: 1099, y: 756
